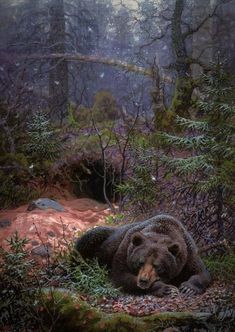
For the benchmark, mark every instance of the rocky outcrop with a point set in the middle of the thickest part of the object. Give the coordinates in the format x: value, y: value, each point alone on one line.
x: 216, y: 35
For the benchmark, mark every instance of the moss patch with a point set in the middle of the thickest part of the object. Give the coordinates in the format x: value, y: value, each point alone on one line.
x: 65, y: 311
x: 221, y: 267
x: 182, y: 97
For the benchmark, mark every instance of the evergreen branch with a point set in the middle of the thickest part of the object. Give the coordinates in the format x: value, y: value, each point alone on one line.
x: 192, y: 124
x: 222, y: 151
x: 188, y: 143
x: 226, y: 109
x: 207, y: 185
x: 205, y: 107
x: 187, y: 166
x: 223, y: 109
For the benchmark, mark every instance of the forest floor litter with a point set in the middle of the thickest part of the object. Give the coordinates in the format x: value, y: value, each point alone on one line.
x: 219, y: 298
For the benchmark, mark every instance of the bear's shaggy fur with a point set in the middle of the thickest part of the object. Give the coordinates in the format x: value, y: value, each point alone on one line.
x: 153, y: 256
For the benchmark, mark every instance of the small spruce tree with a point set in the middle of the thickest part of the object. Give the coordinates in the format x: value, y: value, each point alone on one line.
x: 210, y: 142
x: 41, y: 138
x: 140, y: 190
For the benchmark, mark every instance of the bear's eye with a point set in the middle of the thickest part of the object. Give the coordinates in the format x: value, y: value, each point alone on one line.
x: 155, y: 264
x: 160, y: 270
x: 174, y: 249
x: 141, y: 261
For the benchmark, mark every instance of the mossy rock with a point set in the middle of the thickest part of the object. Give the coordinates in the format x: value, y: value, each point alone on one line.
x: 65, y: 311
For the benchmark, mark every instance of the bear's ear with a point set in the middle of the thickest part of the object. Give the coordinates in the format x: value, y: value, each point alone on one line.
x: 174, y: 249
x: 137, y: 239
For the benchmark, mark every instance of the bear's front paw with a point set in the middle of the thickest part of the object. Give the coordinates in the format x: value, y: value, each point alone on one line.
x: 160, y: 289
x: 188, y: 289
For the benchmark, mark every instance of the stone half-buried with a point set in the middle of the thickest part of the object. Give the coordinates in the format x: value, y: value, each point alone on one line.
x: 156, y: 256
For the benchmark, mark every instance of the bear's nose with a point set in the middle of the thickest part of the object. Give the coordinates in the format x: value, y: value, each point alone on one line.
x: 144, y: 282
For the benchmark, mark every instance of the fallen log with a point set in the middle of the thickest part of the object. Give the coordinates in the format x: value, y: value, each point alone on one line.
x: 66, y: 311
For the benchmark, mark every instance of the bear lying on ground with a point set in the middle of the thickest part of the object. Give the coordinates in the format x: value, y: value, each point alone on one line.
x: 156, y: 256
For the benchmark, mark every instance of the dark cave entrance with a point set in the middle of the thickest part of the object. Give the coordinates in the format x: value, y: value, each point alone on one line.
x: 88, y: 181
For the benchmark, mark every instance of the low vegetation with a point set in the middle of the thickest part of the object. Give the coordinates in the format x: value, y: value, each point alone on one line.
x: 19, y: 289
x: 53, y: 296
x: 221, y: 267
x: 23, y: 282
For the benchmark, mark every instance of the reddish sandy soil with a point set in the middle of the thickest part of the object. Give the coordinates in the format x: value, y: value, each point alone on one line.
x: 50, y: 226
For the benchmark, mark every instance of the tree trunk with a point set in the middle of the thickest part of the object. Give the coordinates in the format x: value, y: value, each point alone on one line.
x: 183, y: 87
x: 163, y: 117
x: 58, y: 75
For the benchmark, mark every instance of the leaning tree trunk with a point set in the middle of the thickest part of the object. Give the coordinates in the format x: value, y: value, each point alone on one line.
x: 58, y: 75
x: 184, y: 83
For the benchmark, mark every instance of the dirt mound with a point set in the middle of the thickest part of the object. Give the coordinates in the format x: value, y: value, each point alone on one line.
x: 48, y: 229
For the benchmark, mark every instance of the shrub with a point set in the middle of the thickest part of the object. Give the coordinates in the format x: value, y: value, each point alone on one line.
x: 23, y: 283
x: 221, y: 267
x: 14, y: 185
x: 85, y: 277
x: 140, y: 190
x: 13, y: 193
x: 18, y: 292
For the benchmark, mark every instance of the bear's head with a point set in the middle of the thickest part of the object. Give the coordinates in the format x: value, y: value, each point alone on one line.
x: 154, y: 257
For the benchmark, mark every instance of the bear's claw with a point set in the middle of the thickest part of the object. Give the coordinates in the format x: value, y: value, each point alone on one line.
x: 172, y: 290
x: 187, y: 290
x: 165, y: 290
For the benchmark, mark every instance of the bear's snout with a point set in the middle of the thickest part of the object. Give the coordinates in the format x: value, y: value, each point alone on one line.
x: 143, y: 283
x: 147, y: 275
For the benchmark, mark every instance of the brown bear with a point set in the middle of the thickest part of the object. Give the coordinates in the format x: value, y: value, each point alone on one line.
x: 156, y: 256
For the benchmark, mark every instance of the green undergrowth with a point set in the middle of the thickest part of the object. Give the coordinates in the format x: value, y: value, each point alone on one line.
x: 23, y: 281
x: 222, y: 268
x: 86, y: 277
x: 50, y: 297
x: 19, y: 287
x: 14, y: 180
